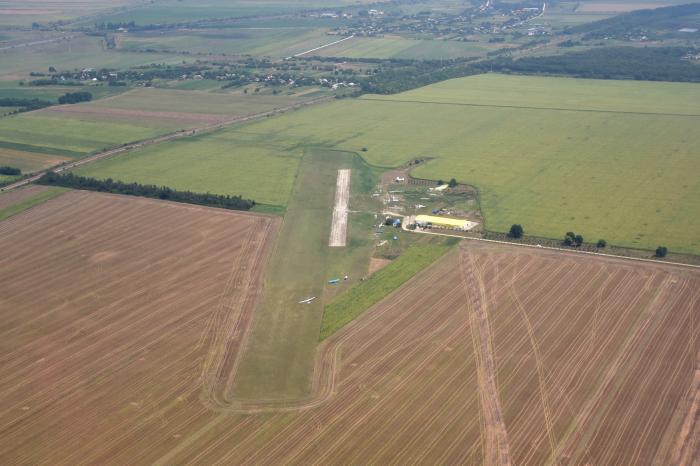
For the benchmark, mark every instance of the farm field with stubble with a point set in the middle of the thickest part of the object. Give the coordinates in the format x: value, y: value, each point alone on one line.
x: 488, y: 355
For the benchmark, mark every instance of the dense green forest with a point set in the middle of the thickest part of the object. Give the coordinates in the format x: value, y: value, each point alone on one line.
x: 648, y: 63
x: 640, y: 63
x: 135, y: 189
x: 75, y: 97
x: 405, y: 75
x: 651, y: 23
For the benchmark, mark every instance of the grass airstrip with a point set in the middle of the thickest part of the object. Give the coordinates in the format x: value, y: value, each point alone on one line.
x: 609, y: 159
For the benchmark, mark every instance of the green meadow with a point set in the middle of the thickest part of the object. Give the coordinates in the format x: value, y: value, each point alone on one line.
x: 222, y: 163
x: 405, y: 48
x: 278, y: 362
x: 177, y: 11
x: 71, y: 136
x: 610, y: 159
x: 279, y: 42
x: 78, y: 51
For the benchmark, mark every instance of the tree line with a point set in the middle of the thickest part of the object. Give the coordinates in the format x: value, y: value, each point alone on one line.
x: 25, y: 104
x: 75, y: 97
x: 10, y: 171
x: 640, y: 63
x: 109, y: 185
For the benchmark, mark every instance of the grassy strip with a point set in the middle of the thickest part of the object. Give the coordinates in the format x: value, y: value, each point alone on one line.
x: 271, y: 209
x: 7, y: 179
x: 348, y: 306
x: 40, y: 149
x: 31, y: 202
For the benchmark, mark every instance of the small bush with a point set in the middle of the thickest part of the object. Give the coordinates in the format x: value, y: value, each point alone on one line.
x: 516, y: 231
x: 11, y: 171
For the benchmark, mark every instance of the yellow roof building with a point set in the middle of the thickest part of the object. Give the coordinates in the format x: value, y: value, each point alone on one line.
x: 442, y: 221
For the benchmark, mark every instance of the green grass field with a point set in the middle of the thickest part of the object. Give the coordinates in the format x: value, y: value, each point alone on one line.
x: 348, y: 306
x: 609, y: 159
x: 626, y: 177
x: 176, y: 11
x: 76, y: 134
x: 25, y: 12
x: 398, y: 47
x: 7, y: 179
x: 70, y: 136
x: 279, y: 357
x: 279, y: 42
x: 219, y: 163
x: 77, y: 52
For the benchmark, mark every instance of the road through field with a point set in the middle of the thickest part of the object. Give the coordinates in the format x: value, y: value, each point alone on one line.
x: 301, y: 54
x: 168, y: 137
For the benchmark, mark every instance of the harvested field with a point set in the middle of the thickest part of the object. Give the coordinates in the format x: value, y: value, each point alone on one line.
x: 339, y: 222
x: 18, y: 195
x: 128, y: 287
x: 597, y: 371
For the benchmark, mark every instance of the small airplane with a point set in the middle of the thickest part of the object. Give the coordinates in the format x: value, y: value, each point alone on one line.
x: 307, y: 300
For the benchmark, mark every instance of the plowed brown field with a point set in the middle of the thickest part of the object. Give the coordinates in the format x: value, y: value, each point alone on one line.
x: 115, y: 350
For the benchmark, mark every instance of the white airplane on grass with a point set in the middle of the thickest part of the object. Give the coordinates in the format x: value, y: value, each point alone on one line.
x: 307, y: 300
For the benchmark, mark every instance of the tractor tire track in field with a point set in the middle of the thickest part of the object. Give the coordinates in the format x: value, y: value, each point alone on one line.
x: 686, y: 451
x: 540, y: 374
x: 497, y: 451
x: 159, y: 139
x: 146, y: 377
x: 627, y: 350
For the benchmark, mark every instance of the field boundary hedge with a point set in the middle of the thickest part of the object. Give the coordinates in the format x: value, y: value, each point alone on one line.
x: 151, y: 191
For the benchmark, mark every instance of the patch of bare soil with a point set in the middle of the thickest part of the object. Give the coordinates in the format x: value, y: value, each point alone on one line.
x: 10, y: 198
x: 376, y: 263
